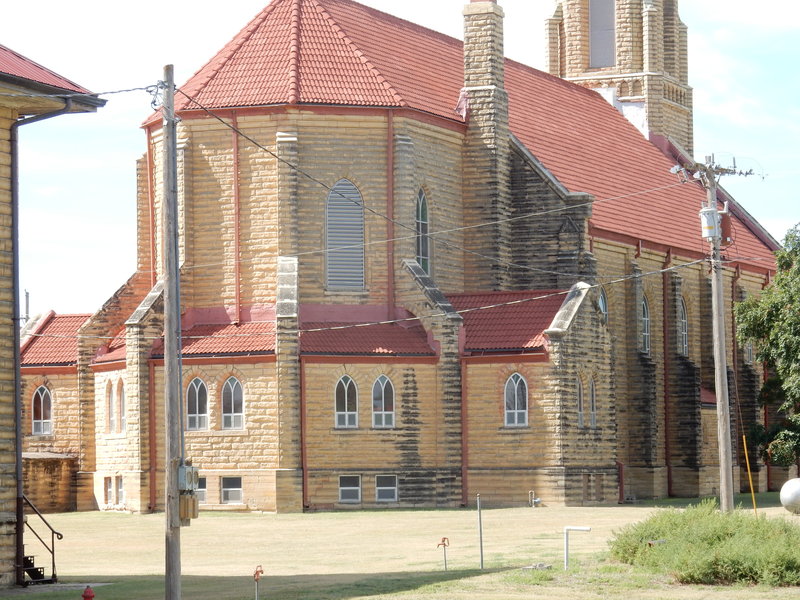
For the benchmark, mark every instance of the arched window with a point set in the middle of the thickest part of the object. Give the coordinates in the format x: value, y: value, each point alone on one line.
x: 644, y: 318
x: 344, y: 230
x: 121, y: 404
x: 346, y: 403
x: 683, y: 329
x: 232, y: 404
x: 602, y: 304
x: 579, y: 394
x: 516, y: 401
x: 421, y: 226
x: 383, y: 402
x: 592, y: 404
x: 196, y: 405
x: 602, y: 38
x: 42, y: 415
x: 111, y: 409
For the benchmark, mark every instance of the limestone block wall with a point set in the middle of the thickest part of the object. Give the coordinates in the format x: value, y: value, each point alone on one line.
x: 411, y: 449
x: 49, y: 481
x: 66, y: 417
x: 8, y: 488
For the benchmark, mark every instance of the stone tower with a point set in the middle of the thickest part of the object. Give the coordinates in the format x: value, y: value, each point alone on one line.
x: 634, y: 52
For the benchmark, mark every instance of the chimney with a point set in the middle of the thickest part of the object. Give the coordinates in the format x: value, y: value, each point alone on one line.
x: 487, y: 198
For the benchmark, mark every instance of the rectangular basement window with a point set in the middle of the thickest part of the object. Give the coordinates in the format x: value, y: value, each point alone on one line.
x: 386, y: 488
x: 350, y: 488
x: 231, y: 490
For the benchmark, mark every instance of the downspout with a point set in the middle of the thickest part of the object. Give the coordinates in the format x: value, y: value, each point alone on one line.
x: 151, y: 431
x: 236, y: 227
x: 666, y: 338
x: 464, y: 434
x: 390, y: 299
x: 14, y: 143
x: 303, y: 448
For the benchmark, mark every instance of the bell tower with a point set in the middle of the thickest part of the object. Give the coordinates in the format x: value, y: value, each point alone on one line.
x: 633, y: 52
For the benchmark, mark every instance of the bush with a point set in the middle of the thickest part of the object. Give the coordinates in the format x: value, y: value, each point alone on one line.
x: 702, y: 545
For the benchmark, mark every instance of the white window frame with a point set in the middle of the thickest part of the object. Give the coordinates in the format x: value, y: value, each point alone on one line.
x: 683, y: 329
x: 44, y: 424
x: 229, y: 493
x: 386, y: 488
x: 383, y: 410
x: 108, y: 490
x: 344, y: 237
x: 350, y: 494
x: 111, y: 408
x: 644, y: 320
x: 346, y: 411
x: 422, y: 229
x: 119, y: 485
x: 231, y: 418
x: 202, y: 490
x: 196, y: 420
x: 515, y: 402
x: 122, y: 419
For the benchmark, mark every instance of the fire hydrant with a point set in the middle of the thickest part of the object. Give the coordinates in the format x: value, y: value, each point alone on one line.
x: 88, y: 594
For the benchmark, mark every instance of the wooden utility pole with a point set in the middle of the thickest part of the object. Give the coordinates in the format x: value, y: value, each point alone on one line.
x: 712, y: 231
x: 172, y: 349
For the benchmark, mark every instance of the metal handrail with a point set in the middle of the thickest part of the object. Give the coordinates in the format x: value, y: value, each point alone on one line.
x: 54, y: 535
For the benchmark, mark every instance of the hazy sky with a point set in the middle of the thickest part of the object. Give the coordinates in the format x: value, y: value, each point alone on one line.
x: 77, y: 171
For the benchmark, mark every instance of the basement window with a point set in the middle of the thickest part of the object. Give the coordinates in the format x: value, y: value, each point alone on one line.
x: 201, y: 490
x: 231, y: 490
x: 350, y: 489
x: 386, y: 488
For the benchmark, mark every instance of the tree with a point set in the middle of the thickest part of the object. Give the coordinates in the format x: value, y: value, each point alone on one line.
x: 772, y: 323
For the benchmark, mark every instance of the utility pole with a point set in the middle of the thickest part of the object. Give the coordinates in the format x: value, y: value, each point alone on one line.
x: 172, y: 349
x: 712, y: 231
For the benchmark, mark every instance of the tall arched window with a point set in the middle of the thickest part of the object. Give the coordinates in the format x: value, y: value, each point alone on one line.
x: 516, y: 401
x: 579, y: 394
x: 592, y: 404
x: 42, y: 416
x: 346, y: 403
x: 421, y: 226
x: 111, y: 409
x: 383, y: 402
x: 644, y: 318
x: 196, y: 405
x: 344, y: 230
x: 121, y: 404
x: 602, y: 34
x: 232, y: 404
x: 683, y: 329
x: 602, y: 304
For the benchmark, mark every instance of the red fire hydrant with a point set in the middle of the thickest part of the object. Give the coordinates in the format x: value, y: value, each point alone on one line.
x: 88, y: 594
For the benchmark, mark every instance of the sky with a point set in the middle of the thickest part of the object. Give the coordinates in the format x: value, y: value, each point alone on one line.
x: 77, y: 172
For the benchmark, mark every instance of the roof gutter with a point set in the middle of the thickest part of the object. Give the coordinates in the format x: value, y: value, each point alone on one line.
x: 15, y: 323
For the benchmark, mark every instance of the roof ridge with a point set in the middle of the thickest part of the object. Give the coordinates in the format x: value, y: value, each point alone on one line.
x: 359, y: 54
x: 294, y: 52
x: 75, y: 87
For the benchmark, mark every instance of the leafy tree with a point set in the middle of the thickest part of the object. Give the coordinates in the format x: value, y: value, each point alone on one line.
x: 772, y: 322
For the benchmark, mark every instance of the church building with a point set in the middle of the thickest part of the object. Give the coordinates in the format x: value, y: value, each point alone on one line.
x: 413, y: 271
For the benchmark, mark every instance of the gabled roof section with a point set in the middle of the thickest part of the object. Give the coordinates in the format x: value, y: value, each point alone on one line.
x: 508, y: 321
x: 115, y: 350
x: 243, y: 339
x: 53, y: 341
x: 14, y: 64
x: 361, y: 339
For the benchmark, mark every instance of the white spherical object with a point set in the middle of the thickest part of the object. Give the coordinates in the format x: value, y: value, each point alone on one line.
x: 790, y: 496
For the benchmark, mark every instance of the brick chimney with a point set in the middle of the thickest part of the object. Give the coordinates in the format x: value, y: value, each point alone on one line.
x: 486, y: 162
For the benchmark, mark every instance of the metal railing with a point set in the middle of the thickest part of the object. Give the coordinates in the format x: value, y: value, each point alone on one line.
x: 54, y: 535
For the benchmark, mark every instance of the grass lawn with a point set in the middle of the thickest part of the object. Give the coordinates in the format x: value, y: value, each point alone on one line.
x: 368, y: 554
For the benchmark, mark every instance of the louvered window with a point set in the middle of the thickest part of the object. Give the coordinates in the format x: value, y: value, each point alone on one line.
x: 344, y: 223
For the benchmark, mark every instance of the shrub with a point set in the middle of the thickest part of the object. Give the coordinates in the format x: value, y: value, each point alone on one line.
x: 702, y: 545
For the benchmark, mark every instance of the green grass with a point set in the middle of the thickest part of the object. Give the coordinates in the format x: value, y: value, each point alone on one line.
x: 702, y: 545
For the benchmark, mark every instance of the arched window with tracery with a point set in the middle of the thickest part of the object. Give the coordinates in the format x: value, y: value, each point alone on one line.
x: 516, y: 401
x: 232, y: 404
x: 42, y: 402
x: 346, y: 403
x: 196, y: 405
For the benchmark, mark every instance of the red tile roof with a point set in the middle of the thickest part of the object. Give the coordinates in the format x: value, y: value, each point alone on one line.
x: 339, y: 52
x: 54, y: 341
x: 361, y: 339
x: 507, y: 321
x: 16, y: 65
x: 115, y: 350
x: 254, y: 337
